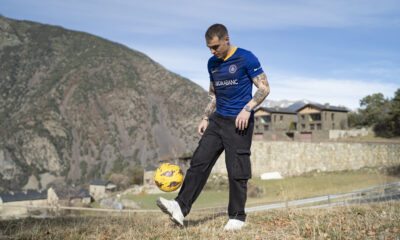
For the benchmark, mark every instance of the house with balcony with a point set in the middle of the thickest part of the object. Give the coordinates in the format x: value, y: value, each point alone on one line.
x: 274, y: 123
x: 310, y: 122
x: 316, y: 120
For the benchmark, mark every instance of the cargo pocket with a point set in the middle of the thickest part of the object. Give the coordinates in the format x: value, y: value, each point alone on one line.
x: 242, y: 165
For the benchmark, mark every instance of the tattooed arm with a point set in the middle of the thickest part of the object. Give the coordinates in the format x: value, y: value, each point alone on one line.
x: 262, y: 92
x: 212, y: 102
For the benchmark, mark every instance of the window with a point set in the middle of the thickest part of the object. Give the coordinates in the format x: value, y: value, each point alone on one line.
x: 319, y: 126
x: 332, y: 116
x: 280, y: 118
x: 312, y: 126
x: 315, y: 117
x: 266, y: 127
x: 274, y: 118
x: 303, y: 126
x: 265, y: 119
x: 333, y: 125
x: 302, y: 117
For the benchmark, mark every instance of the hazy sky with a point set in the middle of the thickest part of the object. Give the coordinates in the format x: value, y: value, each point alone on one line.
x: 336, y: 51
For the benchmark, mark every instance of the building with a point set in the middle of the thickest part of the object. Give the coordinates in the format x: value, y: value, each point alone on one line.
x: 68, y: 196
x: 13, y: 203
x: 148, y: 175
x: 274, y: 123
x: 310, y: 122
x: 99, y: 189
x: 316, y: 120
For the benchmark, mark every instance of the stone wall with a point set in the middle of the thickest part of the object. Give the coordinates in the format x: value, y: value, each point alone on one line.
x: 336, y: 134
x: 9, y: 209
x: 294, y: 158
x: 97, y: 192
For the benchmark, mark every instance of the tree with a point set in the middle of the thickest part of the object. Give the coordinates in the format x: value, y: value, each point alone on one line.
x: 120, y: 180
x: 374, y: 109
x: 354, y: 119
x: 390, y: 125
x: 83, y: 167
x: 395, y: 113
x: 135, y: 174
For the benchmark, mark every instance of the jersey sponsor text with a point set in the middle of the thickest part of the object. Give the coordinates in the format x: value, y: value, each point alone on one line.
x: 229, y: 82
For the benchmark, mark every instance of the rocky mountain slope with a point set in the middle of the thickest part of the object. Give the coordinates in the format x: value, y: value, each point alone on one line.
x: 74, y: 107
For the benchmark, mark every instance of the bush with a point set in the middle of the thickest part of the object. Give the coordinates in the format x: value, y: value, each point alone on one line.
x: 218, y: 182
x: 120, y: 180
x: 135, y: 174
x: 253, y: 190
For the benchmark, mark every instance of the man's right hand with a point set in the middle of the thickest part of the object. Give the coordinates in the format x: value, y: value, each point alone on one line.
x: 202, y: 127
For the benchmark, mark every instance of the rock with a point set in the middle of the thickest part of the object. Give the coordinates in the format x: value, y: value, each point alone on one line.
x: 110, y: 203
x: 126, y: 203
x: 271, y: 175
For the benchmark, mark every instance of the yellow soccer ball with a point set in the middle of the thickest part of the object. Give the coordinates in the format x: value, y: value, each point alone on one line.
x: 168, y: 177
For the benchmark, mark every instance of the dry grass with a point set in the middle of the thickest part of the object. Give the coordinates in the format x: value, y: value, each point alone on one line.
x: 375, y: 221
x: 368, y: 221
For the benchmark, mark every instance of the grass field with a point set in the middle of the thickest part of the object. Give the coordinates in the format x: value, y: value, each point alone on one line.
x: 310, y: 185
x: 374, y: 221
x: 366, y: 221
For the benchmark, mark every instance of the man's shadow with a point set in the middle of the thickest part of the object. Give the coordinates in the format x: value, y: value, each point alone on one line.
x: 196, y: 222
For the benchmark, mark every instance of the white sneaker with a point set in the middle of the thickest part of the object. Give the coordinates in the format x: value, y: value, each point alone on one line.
x: 234, y: 224
x: 172, y: 208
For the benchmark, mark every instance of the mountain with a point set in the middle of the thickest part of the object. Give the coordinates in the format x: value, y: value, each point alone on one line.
x: 74, y: 107
x: 291, y: 105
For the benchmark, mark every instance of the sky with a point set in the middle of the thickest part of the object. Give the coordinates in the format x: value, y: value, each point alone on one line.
x: 335, y: 52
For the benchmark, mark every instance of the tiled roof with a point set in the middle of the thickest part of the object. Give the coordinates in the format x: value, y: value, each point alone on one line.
x: 69, y: 192
x: 23, y: 196
x: 278, y: 110
x: 325, y: 107
x: 100, y: 182
x: 150, y: 168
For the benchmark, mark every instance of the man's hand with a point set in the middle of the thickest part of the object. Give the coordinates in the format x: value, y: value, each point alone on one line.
x: 202, y: 127
x: 242, y: 120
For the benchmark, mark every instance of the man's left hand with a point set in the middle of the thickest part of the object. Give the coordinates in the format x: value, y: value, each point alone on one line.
x: 242, y: 120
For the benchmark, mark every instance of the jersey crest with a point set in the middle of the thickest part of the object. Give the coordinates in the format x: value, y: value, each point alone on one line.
x: 232, y: 68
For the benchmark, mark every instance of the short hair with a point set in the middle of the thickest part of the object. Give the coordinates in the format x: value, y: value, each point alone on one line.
x: 218, y: 30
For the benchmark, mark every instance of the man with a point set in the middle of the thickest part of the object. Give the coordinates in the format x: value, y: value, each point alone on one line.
x: 227, y: 124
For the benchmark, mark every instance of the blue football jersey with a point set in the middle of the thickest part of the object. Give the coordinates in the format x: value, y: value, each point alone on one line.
x: 232, y: 80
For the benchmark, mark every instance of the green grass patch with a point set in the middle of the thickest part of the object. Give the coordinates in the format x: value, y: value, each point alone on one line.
x: 317, y: 184
x: 206, y: 199
x: 292, y: 188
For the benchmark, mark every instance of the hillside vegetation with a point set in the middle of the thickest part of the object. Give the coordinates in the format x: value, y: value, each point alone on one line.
x: 74, y: 107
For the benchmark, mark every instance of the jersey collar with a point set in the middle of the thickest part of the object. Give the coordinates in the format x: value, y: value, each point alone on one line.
x: 230, y: 54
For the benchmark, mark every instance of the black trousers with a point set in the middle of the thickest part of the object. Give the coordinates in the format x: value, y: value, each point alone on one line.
x: 221, y: 134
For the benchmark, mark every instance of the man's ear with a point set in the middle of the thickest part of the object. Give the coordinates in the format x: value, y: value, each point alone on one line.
x: 227, y: 38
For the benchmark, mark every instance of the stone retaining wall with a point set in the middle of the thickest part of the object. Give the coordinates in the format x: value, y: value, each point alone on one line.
x: 294, y: 158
